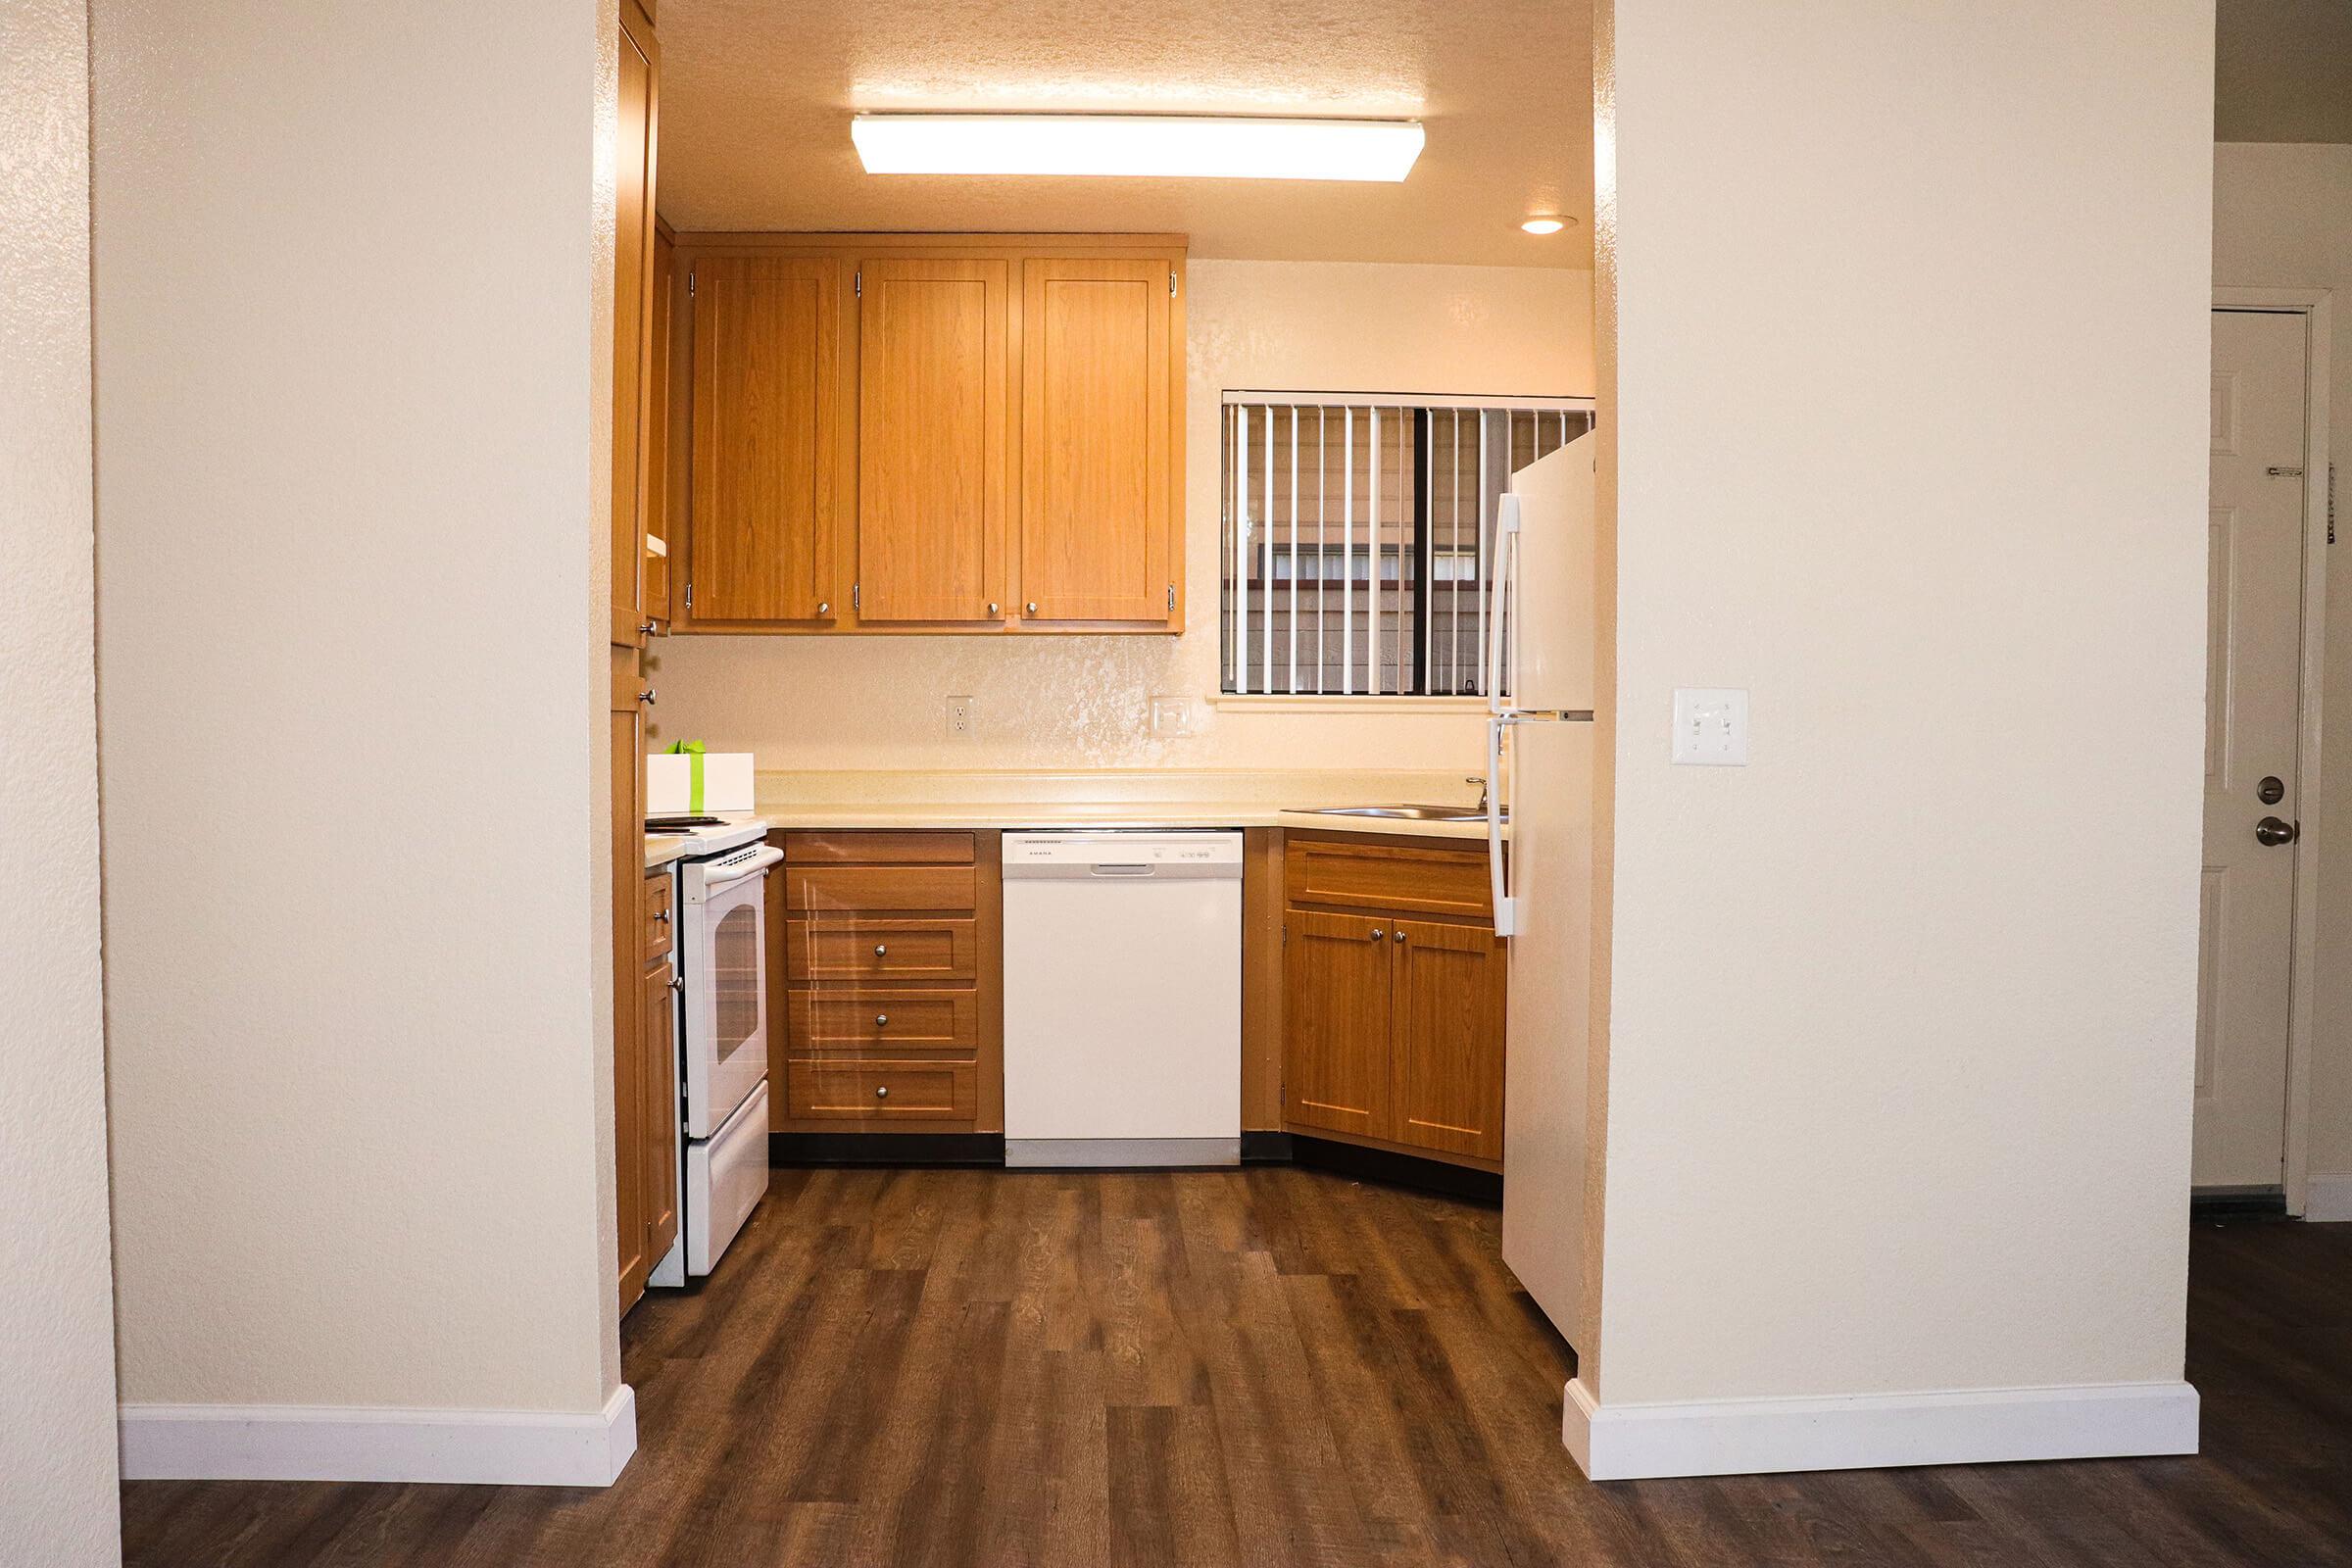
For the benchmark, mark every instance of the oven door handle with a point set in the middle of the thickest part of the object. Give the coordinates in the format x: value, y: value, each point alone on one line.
x: 767, y: 855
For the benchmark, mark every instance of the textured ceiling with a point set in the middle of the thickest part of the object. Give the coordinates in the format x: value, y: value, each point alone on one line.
x: 757, y: 97
x: 2283, y: 71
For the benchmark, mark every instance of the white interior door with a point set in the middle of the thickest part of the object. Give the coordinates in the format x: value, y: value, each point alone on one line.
x: 2254, y: 595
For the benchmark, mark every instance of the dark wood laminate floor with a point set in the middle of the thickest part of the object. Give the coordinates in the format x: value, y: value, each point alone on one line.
x: 1271, y: 1366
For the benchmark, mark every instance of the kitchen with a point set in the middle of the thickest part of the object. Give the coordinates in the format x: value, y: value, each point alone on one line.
x: 1082, y: 637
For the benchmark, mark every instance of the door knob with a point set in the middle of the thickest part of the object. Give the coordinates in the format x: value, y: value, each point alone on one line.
x: 2275, y: 832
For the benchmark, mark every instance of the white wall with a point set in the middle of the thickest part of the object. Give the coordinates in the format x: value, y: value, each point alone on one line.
x: 2282, y: 215
x: 805, y: 703
x: 57, y: 1443
x: 349, y: 409
x: 1898, y: 1094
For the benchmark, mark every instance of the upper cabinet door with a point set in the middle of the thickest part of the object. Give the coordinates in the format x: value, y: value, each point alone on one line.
x: 762, y: 527
x: 933, y: 439
x: 1096, y: 541
x: 632, y: 303
x: 659, y: 464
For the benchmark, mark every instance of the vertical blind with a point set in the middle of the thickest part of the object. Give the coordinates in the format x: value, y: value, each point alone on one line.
x: 1359, y: 536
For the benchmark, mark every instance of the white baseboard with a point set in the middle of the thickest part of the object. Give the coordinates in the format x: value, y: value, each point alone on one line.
x: 2328, y: 1197
x: 1754, y: 1437
x: 357, y: 1442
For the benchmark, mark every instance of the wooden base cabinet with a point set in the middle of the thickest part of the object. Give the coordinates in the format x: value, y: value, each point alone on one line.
x: 1393, y: 1027
x: 886, y: 966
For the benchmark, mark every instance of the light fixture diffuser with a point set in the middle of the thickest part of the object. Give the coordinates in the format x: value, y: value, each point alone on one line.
x: 1145, y: 146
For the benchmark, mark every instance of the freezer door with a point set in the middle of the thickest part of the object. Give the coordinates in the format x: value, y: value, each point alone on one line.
x: 1549, y: 605
x: 1545, y: 1059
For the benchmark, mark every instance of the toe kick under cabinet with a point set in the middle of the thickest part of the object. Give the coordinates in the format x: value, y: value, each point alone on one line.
x: 888, y: 954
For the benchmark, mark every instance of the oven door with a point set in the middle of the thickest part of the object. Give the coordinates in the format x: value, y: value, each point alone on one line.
x: 724, y: 969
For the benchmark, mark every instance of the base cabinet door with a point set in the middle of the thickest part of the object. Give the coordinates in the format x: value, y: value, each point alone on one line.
x: 1445, y: 1049
x: 661, y: 1109
x: 629, y: 1088
x: 1339, y: 1021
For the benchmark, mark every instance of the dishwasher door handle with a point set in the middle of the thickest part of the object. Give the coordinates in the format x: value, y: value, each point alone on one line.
x: 1120, y: 870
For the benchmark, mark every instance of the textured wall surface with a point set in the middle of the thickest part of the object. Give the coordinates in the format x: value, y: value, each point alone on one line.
x: 348, y: 624
x: 806, y: 703
x: 56, y: 1441
x: 1945, y: 517
x: 2282, y: 217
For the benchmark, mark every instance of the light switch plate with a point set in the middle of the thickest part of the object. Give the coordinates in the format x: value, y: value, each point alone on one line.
x: 1710, y: 726
x: 1171, y: 718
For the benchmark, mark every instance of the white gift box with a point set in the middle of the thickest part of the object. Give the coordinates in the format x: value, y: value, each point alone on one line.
x: 670, y: 782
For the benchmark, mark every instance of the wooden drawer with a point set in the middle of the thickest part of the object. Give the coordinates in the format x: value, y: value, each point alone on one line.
x: 929, y: 847
x: 1388, y: 879
x: 880, y: 889
x: 877, y: 1021
x: 945, y: 948
x: 660, y: 918
x: 882, y: 1091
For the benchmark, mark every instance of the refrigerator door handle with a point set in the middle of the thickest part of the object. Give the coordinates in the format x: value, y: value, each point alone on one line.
x: 1505, y: 910
x: 1506, y: 560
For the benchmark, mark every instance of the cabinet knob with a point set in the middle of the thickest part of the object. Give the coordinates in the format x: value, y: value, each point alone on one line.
x: 646, y: 628
x: 992, y: 607
x: 1400, y: 936
x: 646, y: 697
x: 824, y: 607
x: 1029, y: 608
x: 881, y: 1020
x: 880, y: 947
x: 882, y: 1092
x: 662, y: 915
x: 1378, y: 933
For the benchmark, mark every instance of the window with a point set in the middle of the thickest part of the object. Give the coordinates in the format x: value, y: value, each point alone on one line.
x: 1358, y: 536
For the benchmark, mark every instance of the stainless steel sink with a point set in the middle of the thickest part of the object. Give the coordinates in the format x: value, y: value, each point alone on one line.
x: 1407, y: 813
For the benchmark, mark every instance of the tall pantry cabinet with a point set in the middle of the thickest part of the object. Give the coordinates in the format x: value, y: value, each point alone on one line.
x: 638, y: 1049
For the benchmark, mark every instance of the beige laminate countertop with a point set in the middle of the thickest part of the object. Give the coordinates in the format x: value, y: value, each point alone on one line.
x: 1109, y: 798
x: 660, y: 850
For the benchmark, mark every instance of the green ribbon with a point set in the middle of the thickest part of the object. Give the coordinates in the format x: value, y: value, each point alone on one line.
x: 693, y: 750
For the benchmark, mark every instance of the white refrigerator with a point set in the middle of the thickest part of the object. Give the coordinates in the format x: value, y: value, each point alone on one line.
x: 1540, y: 759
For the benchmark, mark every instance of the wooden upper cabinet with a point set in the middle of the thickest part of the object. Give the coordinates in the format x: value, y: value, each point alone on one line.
x: 934, y: 452
x: 764, y: 503
x: 632, y: 304
x: 660, y: 465
x: 1095, y: 437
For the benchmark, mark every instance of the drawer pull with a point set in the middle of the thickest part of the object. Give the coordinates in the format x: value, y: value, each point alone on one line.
x: 882, y: 1092
x: 881, y: 1020
x: 880, y: 947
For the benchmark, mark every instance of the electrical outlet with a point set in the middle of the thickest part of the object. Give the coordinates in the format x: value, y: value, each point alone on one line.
x: 1171, y: 718
x: 960, y: 726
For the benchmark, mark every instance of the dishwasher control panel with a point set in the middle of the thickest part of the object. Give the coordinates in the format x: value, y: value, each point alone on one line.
x: 1116, y: 853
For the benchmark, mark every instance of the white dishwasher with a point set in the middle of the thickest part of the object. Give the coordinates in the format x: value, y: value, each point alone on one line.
x: 1123, y: 999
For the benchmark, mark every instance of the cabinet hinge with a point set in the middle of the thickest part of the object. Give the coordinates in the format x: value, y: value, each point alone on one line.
x: 1171, y: 282
x: 1171, y: 599
x: 858, y: 283
x: 690, y: 280
x: 690, y: 596
x: 854, y: 590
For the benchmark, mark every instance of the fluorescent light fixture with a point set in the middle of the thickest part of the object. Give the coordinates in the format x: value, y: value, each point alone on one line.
x: 1186, y: 146
x: 1544, y: 225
